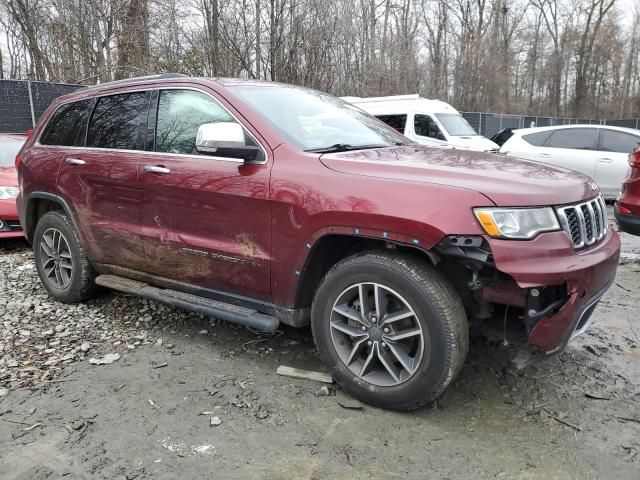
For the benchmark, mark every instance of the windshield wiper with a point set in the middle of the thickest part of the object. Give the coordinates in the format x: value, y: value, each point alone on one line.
x: 343, y: 147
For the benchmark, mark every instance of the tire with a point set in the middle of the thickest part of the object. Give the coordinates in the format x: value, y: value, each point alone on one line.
x: 78, y: 278
x: 438, y: 314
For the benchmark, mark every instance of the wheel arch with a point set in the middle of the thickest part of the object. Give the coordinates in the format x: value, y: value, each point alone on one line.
x: 332, y: 247
x: 39, y: 203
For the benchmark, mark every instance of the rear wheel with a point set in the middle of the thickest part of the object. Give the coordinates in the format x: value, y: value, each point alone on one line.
x: 391, y: 330
x: 62, y: 264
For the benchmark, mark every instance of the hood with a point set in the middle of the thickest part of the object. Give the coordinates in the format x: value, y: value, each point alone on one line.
x: 8, y: 176
x: 474, y: 142
x: 506, y: 181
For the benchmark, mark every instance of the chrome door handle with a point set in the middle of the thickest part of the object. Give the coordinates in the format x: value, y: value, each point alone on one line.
x: 605, y: 160
x: 156, y: 169
x: 74, y: 161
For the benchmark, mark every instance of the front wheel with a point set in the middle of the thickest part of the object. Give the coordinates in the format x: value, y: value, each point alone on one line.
x: 391, y: 329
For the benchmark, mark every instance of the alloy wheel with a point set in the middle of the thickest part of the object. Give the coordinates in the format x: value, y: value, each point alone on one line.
x: 56, y: 260
x: 377, y: 334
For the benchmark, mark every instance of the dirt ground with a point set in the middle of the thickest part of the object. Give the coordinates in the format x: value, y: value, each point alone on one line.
x: 149, y: 414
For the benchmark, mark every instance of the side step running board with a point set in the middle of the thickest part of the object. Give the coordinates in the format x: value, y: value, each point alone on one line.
x: 225, y: 311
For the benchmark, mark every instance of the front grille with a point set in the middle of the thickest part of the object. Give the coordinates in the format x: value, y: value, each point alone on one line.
x: 585, y: 222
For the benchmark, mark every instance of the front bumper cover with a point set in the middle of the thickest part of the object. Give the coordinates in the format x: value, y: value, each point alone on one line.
x: 627, y: 223
x: 550, y: 259
x: 9, y: 223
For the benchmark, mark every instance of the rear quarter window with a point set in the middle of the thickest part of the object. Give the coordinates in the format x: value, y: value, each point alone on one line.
x: 397, y: 122
x: 536, y: 139
x: 68, y: 125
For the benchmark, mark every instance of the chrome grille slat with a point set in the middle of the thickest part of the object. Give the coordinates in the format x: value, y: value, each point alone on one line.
x: 590, y: 220
x: 603, y: 207
x: 585, y: 222
x: 601, y: 215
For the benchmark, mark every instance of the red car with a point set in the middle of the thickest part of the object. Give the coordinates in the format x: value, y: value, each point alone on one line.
x: 262, y: 203
x: 627, y: 209
x: 10, y: 145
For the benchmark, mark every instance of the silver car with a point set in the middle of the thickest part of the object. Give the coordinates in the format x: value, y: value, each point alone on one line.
x: 600, y: 151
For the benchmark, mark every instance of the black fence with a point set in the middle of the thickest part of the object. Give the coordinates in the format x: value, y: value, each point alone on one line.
x: 23, y: 101
x: 488, y: 124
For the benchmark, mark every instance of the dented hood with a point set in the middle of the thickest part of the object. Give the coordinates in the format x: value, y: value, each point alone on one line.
x: 506, y: 181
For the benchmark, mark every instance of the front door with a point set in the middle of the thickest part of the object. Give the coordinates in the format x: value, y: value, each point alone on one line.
x: 206, y: 219
x: 100, y: 180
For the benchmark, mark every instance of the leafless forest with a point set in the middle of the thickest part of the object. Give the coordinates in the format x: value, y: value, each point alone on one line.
x: 548, y: 57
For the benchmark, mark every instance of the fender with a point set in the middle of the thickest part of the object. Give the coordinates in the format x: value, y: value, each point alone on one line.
x: 291, y: 279
x: 26, y: 214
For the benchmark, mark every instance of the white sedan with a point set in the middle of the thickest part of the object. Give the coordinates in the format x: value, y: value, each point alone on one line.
x: 600, y: 151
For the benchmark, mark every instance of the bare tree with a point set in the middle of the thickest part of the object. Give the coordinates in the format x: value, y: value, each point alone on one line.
x: 549, y: 57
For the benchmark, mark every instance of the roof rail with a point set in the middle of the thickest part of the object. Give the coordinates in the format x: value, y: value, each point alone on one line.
x: 414, y: 96
x: 140, y: 79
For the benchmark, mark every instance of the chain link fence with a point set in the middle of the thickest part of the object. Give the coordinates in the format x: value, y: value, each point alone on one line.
x: 22, y: 102
x: 488, y: 124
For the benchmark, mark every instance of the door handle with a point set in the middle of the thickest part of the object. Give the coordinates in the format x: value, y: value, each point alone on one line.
x: 544, y: 155
x: 74, y: 161
x: 156, y: 169
x: 605, y: 160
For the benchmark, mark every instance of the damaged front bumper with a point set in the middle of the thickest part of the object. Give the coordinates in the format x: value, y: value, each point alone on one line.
x: 550, y: 262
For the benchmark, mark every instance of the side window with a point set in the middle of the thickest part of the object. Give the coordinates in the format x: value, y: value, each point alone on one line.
x: 537, y: 139
x: 116, y: 120
x: 578, y: 138
x: 502, y: 136
x: 180, y: 113
x: 425, y: 126
x: 397, y: 122
x: 614, y: 141
x: 68, y: 125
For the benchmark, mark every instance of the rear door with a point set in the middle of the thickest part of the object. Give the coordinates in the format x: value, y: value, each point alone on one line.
x: 573, y: 148
x: 100, y: 180
x: 206, y: 219
x: 613, y: 159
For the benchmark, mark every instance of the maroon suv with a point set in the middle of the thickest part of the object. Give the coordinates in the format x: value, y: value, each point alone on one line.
x: 627, y: 208
x: 262, y: 203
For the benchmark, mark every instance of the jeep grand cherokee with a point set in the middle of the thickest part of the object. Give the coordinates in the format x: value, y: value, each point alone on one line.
x: 263, y: 203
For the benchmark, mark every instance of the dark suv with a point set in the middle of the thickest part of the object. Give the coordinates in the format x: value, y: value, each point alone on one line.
x: 262, y: 203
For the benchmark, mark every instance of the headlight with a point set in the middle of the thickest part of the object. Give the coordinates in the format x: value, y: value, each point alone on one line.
x: 522, y: 223
x: 8, y: 192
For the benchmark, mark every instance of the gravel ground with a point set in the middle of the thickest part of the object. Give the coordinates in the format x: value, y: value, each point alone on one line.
x: 191, y: 397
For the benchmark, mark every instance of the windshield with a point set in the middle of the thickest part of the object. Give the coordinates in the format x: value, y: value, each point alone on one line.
x: 315, y: 121
x: 455, y: 124
x: 9, y: 148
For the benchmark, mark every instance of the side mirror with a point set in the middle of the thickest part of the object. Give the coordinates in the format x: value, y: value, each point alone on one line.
x: 225, y: 139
